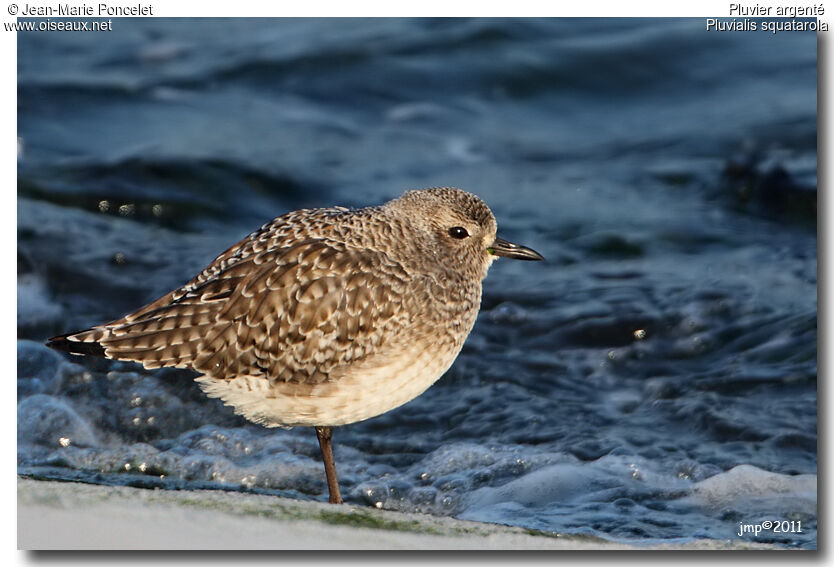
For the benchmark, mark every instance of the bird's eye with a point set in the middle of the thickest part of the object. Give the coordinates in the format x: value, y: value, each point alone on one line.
x: 458, y: 232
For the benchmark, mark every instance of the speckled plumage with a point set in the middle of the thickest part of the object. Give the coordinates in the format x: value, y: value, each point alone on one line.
x: 323, y: 317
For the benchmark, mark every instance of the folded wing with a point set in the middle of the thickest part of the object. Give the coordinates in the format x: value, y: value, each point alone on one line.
x: 296, y: 313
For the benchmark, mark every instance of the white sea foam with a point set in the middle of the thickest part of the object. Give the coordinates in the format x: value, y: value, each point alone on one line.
x: 750, y: 489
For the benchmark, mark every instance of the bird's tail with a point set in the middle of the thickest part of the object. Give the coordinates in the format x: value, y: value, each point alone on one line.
x: 80, y: 342
x: 166, y: 336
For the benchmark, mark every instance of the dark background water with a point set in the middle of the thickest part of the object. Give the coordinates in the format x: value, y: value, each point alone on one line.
x: 667, y: 173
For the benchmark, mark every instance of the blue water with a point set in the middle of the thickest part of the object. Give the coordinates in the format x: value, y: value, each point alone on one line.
x: 654, y: 380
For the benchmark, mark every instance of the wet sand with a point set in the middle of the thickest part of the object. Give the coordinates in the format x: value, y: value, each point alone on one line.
x: 74, y: 516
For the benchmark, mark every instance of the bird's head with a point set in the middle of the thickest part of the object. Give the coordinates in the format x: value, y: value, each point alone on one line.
x: 456, y: 227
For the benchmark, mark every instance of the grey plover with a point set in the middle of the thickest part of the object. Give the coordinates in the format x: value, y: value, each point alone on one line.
x: 323, y: 317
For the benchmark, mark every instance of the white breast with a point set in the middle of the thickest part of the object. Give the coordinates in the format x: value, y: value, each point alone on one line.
x: 362, y: 393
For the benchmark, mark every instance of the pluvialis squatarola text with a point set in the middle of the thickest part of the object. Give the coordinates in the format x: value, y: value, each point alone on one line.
x: 323, y: 317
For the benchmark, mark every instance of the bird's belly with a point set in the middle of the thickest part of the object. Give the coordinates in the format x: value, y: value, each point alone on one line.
x: 360, y: 394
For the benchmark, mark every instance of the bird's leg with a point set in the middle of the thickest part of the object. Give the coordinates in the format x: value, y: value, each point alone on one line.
x: 325, y: 434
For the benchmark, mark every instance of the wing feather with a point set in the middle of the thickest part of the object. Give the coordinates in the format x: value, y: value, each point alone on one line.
x: 306, y: 314
x: 286, y: 302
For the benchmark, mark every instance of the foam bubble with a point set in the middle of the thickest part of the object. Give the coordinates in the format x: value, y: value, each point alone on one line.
x: 52, y: 422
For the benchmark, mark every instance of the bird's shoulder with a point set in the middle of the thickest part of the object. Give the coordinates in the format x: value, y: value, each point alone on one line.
x: 278, y: 234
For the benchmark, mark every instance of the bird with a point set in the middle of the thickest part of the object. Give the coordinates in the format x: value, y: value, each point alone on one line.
x: 323, y: 317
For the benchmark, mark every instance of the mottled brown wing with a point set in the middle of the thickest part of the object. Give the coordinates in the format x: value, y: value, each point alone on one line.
x: 225, y: 272
x: 290, y: 314
x: 304, y: 312
x: 169, y: 331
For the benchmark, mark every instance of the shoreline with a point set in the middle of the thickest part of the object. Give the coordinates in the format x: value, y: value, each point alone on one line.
x: 56, y: 515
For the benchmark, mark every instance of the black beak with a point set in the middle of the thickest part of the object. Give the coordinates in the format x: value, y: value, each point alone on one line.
x: 502, y: 247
